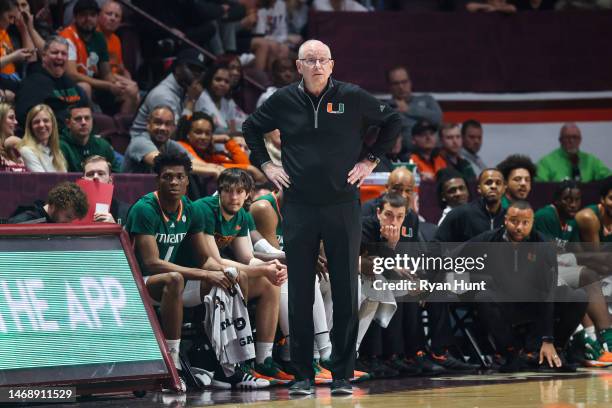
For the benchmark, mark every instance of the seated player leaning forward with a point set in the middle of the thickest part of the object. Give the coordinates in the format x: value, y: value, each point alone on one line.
x: 226, y: 228
x: 160, y: 224
x: 66, y: 202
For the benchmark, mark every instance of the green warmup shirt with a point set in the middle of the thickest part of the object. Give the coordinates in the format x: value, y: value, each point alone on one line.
x: 169, y: 229
x: 602, y: 236
x: 224, y: 231
x: 75, y: 153
x: 548, y: 223
x: 273, y: 200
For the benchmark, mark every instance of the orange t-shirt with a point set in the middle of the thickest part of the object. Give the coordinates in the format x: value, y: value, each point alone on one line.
x: 429, y: 169
x: 6, y: 47
x: 115, y: 54
x: 238, y: 157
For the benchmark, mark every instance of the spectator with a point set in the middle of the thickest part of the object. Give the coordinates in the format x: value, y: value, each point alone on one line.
x: 9, y: 56
x: 568, y: 162
x: 452, y: 191
x: 32, y: 23
x: 108, y: 23
x: 143, y: 149
x: 272, y: 40
x: 471, y: 133
x: 392, y: 159
x: 49, y: 84
x: 99, y: 168
x: 195, y: 134
x: 490, y: 6
x: 179, y: 90
x: 215, y: 101
x: 426, y: 156
x: 518, y: 171
x: 66, y: 202
x: 283, y: 74
x: 10, y: 158
x: 237, y: 85
x: 450, y: 138
x: 88, y: 62
x: 78, y: 142
x: 338, y: 5
x: 40, y: 146
x: 412, y: 108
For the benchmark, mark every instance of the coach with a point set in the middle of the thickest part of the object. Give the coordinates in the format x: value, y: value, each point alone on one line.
x: 322, y: 123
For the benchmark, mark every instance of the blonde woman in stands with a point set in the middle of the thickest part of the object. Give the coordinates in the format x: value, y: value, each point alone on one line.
x: 40, y: 146
x: 10, y: 159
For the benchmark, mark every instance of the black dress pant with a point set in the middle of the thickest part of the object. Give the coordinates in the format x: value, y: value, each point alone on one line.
x: 500, y: 318
x: 339, y: 226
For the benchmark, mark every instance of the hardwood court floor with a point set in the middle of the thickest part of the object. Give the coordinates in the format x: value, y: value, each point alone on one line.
x: 588, y: 388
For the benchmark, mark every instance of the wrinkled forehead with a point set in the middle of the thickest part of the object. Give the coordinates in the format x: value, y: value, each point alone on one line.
x: 315, y: 50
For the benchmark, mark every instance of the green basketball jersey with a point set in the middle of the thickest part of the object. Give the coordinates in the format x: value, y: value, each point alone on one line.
x: 224, y: 231
x: 602, y: 237
x: 273, y: 200
x: 169, y: 229
x: 547, y: 222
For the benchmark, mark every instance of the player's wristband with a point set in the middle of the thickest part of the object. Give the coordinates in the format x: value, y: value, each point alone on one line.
x: 548, y: 339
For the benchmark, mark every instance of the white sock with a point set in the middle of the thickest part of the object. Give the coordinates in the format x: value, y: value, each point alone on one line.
x: 173, y: 349
x: 324, y: 345
x: 283, y: 314
x: 262, y: 351
x: 315, y: 350
x: 590, y: 331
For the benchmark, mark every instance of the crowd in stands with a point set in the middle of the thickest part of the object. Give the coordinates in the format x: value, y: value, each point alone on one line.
x: 56, y: 84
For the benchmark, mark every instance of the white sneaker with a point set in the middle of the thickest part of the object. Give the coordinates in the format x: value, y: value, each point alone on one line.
x: 205, y: 377
x: 183, y: 384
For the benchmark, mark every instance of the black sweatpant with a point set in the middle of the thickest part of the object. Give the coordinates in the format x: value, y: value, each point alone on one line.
x: 500, y: 317
x: 405, y: 333
x: 339, y: 226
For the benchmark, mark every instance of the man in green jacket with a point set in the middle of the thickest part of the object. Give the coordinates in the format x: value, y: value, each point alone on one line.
x: 568, y: 162
x: 78, y: 142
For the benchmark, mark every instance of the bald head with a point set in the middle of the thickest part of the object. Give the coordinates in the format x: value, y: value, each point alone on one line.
x: 401, y: 181
x: 315, y: 46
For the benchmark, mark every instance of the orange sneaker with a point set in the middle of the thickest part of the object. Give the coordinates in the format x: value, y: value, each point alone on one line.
x: 322, y: 375
x: 360, y: 376
x: 271, y: 370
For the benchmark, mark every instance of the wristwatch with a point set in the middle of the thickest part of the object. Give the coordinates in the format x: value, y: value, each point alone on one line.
x: 372, y: 158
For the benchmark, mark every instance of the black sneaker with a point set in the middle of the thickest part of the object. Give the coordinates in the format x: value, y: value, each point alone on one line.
x: 239, y: 379
x: 515, y: 362
x: 341, y: 387
x: 403, y: 366
x: 451, y: 363
x: 379, y: 369
x: 426, y: 366
x: 302, y: 387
